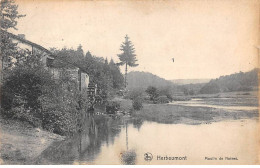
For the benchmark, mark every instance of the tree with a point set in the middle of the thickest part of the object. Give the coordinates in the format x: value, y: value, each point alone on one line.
x: 80, y: 52
x: 137, y: 103
x: 106, y: 80
x: 30, y: 93
x: 152, y: 92
x: 166, y: 91
x: 128, y: 56
x: 23, y: 85
x: 118, y: 79
x: 88, y: 55
x: 9, y: 16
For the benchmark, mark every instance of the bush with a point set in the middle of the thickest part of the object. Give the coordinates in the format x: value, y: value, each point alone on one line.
x: 23, y: 114
x: 166, y: 92
x: 31, y: 94
x: 24, y: 84
x: 22, y: 87
x: 112, y: 107
x: 60, y: 112
x: 153, y: 93
x: 62, y: 108
x: 60, y: 122
x: 132, y: 94
x: 137, y: 103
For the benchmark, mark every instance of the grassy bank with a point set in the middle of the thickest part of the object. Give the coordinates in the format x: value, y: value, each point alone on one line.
x: 166, y: 113
x: 169, y: 113
x: 21, y: 143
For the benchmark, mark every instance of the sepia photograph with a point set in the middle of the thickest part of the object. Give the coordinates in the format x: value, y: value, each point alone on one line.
x: 129, y: 82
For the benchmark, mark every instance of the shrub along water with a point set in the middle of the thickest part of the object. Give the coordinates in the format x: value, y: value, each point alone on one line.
x: 137, y: 103
x: 29, y: 93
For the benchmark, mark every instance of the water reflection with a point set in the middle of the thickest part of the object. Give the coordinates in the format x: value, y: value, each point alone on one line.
x: 84, y: 147
x: 128, y: 156
x: 103, y: 140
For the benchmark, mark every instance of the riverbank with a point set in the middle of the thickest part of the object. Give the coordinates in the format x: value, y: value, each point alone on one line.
x: 174, y: 113
x: 21, y: 143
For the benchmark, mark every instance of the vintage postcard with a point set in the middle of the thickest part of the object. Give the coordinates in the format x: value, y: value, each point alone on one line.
x: 133, y: 82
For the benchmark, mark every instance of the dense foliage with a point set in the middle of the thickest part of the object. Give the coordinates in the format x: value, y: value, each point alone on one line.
x: 30, y: 93
x: 28, y: 90
x: 150, y: 95
x: 153, y: 93
x: 242, y: 81
x: 9, y: 17
x: 137, y: 103
x: 112, y: 107
x: 105, y: 74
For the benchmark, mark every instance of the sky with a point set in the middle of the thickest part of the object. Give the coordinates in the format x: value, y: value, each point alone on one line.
x: 206, y: 38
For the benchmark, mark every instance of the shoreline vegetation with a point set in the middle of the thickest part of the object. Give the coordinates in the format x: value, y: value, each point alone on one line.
x: 181, y: 114
x: 21, y: 143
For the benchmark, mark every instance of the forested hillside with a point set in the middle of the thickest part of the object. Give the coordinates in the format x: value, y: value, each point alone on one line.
x: 189, y: 81
x: 242, y: 81
x: 144, y: 79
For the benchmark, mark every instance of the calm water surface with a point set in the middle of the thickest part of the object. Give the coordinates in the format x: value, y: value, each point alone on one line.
x: 106, y: 140
x: 202, y: 103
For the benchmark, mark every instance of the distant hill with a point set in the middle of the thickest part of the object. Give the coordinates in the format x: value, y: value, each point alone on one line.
x: 189, y: 81
x: 138, y: 79
x: 242, y: 81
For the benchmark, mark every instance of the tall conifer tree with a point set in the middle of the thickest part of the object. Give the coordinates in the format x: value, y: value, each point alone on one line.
x: 128, y: 56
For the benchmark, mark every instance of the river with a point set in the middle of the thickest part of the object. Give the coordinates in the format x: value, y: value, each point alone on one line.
x: 202, y: 103
x: 106, y: 140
